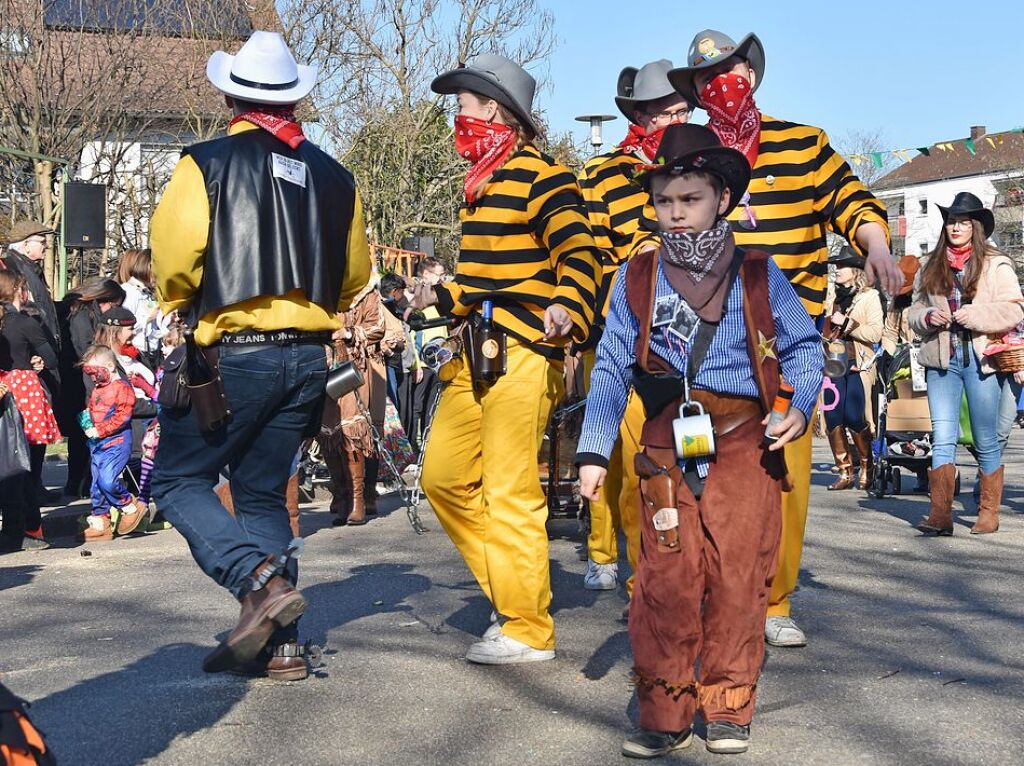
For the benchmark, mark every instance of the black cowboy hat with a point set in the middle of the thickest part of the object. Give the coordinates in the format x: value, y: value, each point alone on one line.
x: 709, y: 48
x: 118, y: 316
x: 847, y: 256
x: 967, y: 204
x: 687, y: 148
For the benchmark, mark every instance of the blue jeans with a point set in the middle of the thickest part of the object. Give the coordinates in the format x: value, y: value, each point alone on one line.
x: 984, y: 398
x: 1008, y: 409
x: 275, y: 393
x: 110, y: 457
x: 850, y: 410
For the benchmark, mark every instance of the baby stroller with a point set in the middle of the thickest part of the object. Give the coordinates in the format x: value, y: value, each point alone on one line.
x: 903, y: 428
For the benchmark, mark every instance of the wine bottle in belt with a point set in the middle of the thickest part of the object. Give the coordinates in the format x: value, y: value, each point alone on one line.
x: 490, y: 365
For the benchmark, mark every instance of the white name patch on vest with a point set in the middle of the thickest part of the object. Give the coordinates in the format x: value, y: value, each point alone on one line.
x: 287, y: 169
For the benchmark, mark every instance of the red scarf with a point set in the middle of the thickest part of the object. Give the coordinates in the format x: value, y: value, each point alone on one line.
x: 733, y: 115
x: 486, y: 145
x: 641, y: 144
x: 957, y: 257
x: 280, y: 123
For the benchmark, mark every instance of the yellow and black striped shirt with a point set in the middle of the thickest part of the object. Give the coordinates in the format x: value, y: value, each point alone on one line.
x: 800, y: 188
x: 615, y: 206
x: 526, y: 245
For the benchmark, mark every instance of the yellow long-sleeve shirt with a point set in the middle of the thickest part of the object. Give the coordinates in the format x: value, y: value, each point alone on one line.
x: 179, y: 235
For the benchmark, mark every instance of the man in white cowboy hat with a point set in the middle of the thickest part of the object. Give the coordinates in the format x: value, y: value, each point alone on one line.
x: 259, y: 240
x: 799, y: 187
x: 615, y: 207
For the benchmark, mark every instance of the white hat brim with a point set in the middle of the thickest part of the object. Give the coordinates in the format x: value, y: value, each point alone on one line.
x: 218, y: 72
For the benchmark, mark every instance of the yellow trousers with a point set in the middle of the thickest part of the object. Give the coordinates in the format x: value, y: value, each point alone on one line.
x: 480, y: 475
x: 617, y: 509
x: 794, y: 520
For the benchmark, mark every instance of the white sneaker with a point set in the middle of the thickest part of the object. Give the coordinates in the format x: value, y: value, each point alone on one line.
x: 503, y: 650
x: 782, y: 631
x: 495, y: 628
x: 601, y: 576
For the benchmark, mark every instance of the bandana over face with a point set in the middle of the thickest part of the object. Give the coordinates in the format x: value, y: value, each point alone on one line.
x: 486, y: 145
x: 732, y: 113
x: 642, y: 144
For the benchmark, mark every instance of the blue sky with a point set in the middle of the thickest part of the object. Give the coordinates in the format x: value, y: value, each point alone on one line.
x: 916, y: 72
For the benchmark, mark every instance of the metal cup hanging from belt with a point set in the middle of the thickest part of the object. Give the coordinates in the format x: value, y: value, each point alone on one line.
x: 693, y: 432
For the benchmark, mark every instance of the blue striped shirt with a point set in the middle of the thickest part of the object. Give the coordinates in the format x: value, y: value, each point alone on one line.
x: 726, y: 368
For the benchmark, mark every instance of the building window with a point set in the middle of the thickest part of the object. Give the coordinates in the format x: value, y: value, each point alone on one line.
x: 902, y: 208
x: 13, y: 42
x: 924, y: 206
x: 899, y: 246
x: 1012, y: 237
x: 924, y: 248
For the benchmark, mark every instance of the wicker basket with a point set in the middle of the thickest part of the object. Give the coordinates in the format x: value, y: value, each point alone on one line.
x: 1011, y: 360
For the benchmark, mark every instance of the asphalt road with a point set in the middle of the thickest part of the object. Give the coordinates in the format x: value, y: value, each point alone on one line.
x: 916, y: 651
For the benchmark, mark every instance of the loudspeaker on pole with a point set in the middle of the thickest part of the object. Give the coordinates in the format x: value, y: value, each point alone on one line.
x: 85, y: 215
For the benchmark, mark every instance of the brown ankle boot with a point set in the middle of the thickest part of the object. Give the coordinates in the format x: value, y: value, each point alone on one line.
x: 99, y: 530
x: 988, y: 508
x: 357, y: 478
x: 941, y: 481
x: 841, y: 452
x: 291, y: 501
x: 284, y: 662
x: 275, y: 605
x: 863, y: 441
x: 132, y: 515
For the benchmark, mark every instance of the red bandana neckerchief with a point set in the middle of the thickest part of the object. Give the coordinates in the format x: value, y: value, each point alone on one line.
x: 957, y: 257
x: 642, y: 144
x: 732, y: 113
x: 280, y: 123
x: 486, y: 145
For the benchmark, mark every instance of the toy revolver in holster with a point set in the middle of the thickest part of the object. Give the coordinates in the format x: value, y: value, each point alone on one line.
x: 658, y: 491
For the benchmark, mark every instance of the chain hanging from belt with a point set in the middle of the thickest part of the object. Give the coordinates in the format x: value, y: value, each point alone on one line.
x: 406, y: 493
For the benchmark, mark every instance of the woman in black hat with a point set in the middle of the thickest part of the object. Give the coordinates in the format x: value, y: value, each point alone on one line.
x: 526, y: 280
x: 854, y: 322
x: 966, y: 296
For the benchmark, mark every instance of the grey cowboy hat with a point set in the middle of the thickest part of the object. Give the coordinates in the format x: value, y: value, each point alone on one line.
x: 710, y: 48
x: 495, y: 77
x: 967, y: 204
x: 648, y: 83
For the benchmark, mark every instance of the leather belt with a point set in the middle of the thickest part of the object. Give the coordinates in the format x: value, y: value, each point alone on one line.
x: 727, y: 412
x: 274, y: 337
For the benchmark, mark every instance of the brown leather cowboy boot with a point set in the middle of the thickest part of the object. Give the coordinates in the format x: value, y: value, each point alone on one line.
x: 284, y: 662
x: 275, y: 604
x: 867, y: 463
x: 988, y: 508
x: 941, y: 481
x: 370, y: 491
x: 357, y: 478
x: 341, y: 495
x: 841, y: 452
x: 291, y: 500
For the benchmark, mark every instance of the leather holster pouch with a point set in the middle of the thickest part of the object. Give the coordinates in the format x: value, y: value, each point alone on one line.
x: 658, y: 490
x: 209, y: 403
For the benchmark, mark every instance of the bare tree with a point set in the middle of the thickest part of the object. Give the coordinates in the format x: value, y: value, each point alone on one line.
x: 374, y: 104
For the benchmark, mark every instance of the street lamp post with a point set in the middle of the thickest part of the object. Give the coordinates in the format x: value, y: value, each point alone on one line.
x: 595, y: 121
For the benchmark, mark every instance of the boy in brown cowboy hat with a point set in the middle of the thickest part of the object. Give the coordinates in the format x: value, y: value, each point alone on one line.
x: 711, y: 499
x: 799, y: 188
x: 615, y: 208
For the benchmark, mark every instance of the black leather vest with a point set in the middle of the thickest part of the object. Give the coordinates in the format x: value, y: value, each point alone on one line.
x: 279, y: 220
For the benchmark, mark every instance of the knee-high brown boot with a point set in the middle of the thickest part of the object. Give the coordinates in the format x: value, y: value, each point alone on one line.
x: 941, y: 481
x: 291, y: 500
x: 841, y: 452
x: 867, y: 463
x: 991, y: 497
x: 357, y: 474
x: 341, y: 493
